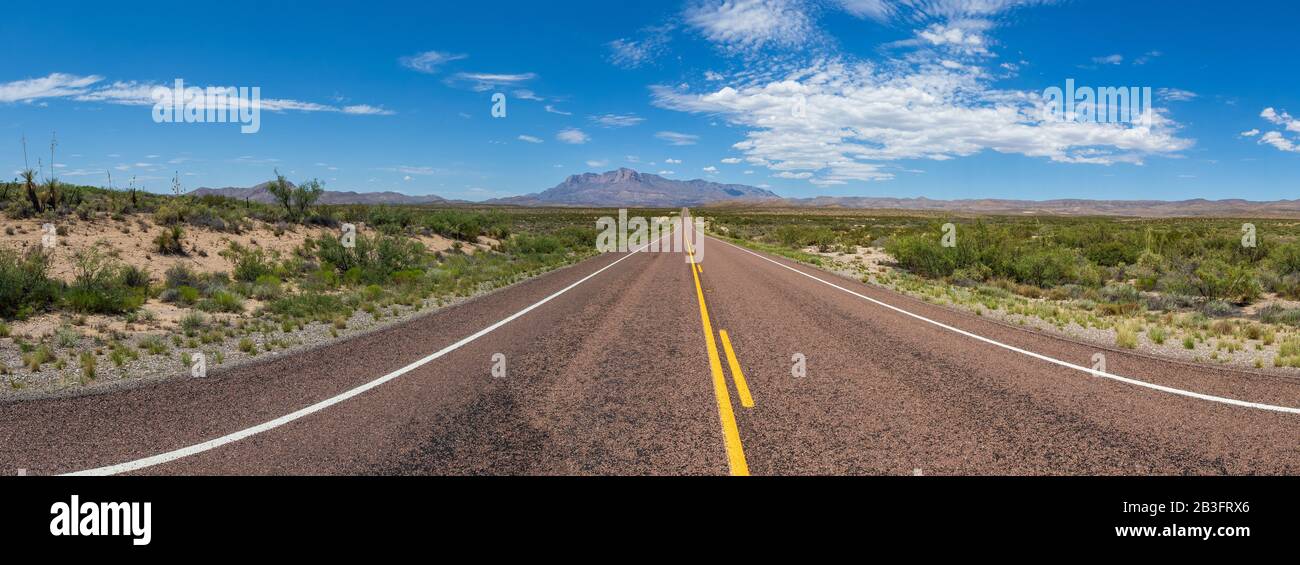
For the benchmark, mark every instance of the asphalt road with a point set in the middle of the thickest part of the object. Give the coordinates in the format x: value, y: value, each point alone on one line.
x: 618, y: 366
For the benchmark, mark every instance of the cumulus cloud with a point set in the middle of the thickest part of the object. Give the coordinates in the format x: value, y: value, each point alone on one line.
x: 1281, y: 118
x: 1277, y: 139
x: 573, y: 136
x: 837, y: 121
x: 530, y: 139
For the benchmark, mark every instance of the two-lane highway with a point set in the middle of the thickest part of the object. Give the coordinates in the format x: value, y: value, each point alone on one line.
x: 620, y: 365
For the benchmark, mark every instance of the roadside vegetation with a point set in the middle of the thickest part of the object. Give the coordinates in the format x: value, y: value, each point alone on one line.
x: 89, y: 309
x: 1186, y: 287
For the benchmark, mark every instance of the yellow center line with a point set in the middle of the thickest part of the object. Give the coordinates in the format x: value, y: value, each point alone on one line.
x: 730, y: 433
x: 742, y: 387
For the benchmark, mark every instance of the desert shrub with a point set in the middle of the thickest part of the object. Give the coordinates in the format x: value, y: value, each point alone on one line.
x: 1157, y: 334
x: 923, y: 256
x: 1285, y: 259
x: 1126, y: 336
x: 25, y: 286
x: 180, y: 275
x: 192, y: 323
x: 170, y: 241
x: 1120, y: 292
x: 1046, y: 268
x: 249, y: 263
x: 372, y: 259
x: 100, y: 286
x: 1217, y: 309
x: 1276, y: 314
x: 88, y: 365
x: 540, y: 244
x: 266, y: 287
x: 1215, y: 279
x: 310, y: 306
x: 222, y: 301
x: 135, y: 277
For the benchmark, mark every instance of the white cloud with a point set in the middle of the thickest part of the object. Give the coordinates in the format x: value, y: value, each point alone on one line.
x: 731, y: 161
x: 879, y: 10
x: 1115, y: 59
x: 596, y: 164
x: 1281, y: 118
x: 632, y: 53
x: 429, y: 61
x: 671, y: 161
x: 554, y: 110
x: 741, y: 25
x: 676, y: 138
x: 530, y: 139
x: 481, y: 82
x: 1176, y: 94
x: 574, y: 136
x: 710, y: 169
x: 56, y: 85
x: 964, y: 37
x: 1147, y: 57
x: 366, y: 110
x: 667, y: 173
x: 524, y: 94
x: 617, y: 120
x: 859, y: 117
x: 1276, y: 138
x: 131, y: 93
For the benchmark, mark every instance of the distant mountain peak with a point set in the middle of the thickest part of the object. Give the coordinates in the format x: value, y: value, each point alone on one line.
x: 629, y: 187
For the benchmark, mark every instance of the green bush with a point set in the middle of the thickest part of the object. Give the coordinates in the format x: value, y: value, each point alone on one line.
x: 25, y: 287
x: 222, y: 301
x: 372, y: 259
x: 250, y: 264
x: 170, y: 241
x: 101, y: 285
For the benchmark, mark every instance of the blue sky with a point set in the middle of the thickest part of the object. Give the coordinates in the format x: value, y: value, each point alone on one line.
x: 935, y: 98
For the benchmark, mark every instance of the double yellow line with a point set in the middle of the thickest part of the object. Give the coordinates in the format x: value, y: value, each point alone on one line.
x: 730, y: 432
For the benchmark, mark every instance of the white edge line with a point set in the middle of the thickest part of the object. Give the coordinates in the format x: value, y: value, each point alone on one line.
x: 1089, y: 370
x: 317, y: 407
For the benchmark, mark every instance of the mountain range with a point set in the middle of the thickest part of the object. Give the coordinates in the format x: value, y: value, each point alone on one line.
x: 630, y: 188
x: 626, y: 187
x: 260, y: 193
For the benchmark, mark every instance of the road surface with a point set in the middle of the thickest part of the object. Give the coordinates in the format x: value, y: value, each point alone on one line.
x: 618, y: 365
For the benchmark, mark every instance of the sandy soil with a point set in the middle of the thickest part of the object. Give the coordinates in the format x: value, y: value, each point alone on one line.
x: 131, y: 241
